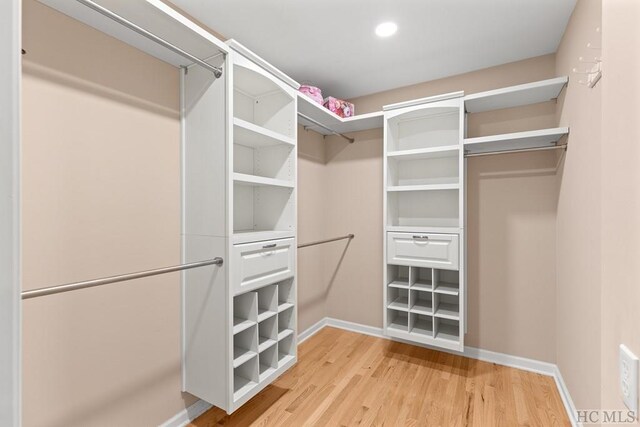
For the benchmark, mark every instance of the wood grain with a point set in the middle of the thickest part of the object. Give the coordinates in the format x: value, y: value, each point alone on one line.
x: 347, y: 379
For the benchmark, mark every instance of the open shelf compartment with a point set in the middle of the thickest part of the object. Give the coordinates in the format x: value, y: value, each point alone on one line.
x: 397, y: 321
x: 423, y: 208
x: 245, y: 311
x: 262, y: 102
x: 424, y: 128
x: 446, y: 282
x: 446, y: 306
x: 421, y: 325
x: 286, y: 350
x: 267, y: 333
x: 245, y: 346
x: 398, y: 276
x: 286, y: 323
x: 446, y: 329
x: 268, y: 362
x: 542, y: 138
x: 245, y: 378
x: 398, y: 299
x: 267, y: 302
x: 263, y: 209
x: 426, y: 171
x: 286, y: 296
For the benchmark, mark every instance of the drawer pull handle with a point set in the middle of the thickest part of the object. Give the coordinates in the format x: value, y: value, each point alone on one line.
x: 421, y: 237
x: 272, y: 245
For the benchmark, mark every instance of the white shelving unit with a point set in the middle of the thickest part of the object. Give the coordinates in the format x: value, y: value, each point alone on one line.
x: 240, y: 159
x: 424, y: 177
x: 515, y: 141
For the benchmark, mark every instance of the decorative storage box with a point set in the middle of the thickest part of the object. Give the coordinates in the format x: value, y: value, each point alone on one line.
x: 312, y: 92
x: 339, y: 107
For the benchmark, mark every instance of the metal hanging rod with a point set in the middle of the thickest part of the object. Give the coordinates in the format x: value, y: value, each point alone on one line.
x: 319, y: 242
x: 523, y: 150
x: 304, y: 116
x: 114, y: 279
x: 217, y: 71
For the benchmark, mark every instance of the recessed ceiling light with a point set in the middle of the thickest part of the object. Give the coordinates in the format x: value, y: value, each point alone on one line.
x: 386, y: 29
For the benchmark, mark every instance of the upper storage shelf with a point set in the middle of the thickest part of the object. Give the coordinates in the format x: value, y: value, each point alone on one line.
x: 318, y: 113
x: 151, y: 15
x: 515, y: 96
x: 515, y: 141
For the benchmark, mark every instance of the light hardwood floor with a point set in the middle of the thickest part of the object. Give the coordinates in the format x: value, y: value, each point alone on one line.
x: 344, y: 378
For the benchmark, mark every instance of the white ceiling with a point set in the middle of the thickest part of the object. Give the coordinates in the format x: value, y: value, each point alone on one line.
x: 332, y: 44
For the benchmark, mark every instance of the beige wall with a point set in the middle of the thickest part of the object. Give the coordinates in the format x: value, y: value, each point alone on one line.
x: 100, y: 152
x: 620, y: 189
x: 512, y: 211
x: 579, y: 211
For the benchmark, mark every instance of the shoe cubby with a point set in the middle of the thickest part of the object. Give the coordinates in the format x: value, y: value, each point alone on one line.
x: 267, y: 333
x: 398, y: 299
x: 267, y: 302
x: 245, y: 377
x: 421, y: 325
x: 286, y: 350
x: 245, y: 346
x: 286, y: 320
x: 245, y: 311
x: 263, y: 102
x: 268, y: 362
x: 259, y: 208
x: 397, y: 320
x: 446, y: 306
x: 426, y: 208
x: 426, y: 128
x: 421, y: 279
x: 421, y: 302
x: 286, y: 296
x: 446, y: 282
x: 398, y: 276
x: 447, y: 329
x: 442, y: 168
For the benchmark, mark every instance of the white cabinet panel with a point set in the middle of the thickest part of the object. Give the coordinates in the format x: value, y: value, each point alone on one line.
x: 261, y: 263
x: 423, y: 250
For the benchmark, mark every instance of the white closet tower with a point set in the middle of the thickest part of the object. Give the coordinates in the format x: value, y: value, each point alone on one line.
x: 424, y: 282
x: 240, y: 199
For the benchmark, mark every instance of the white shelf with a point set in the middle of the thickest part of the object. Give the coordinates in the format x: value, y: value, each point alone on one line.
x: 399, y: 284
x: 447, y: 288
x: 254, y: 136
x: 253, y: 180
x: 515, y: 141
x: 264, y: 314
x: 161, y: 19
x: 247, y: 236
x: 401, y: 303
x: 429, y: 187
x: 425, y: 153
x: 422, y: 307
x: 317, y: 112
x: 242, y: 386
x: 283, y: 306
x: 442, y: 228
x: 265, y: 343
x: 240, y: 325
x: 284, y: 333
x: 241, y: 356
x: 422, y: 285
x: 515, y: 96
x: 447, y: 311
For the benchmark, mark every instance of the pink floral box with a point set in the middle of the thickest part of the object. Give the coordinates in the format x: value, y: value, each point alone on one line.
x: 339, y: 107
x: 312, y: 92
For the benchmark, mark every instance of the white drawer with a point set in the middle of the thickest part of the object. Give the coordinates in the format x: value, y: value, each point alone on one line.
x: 423, y: 250
x: 262, y: 263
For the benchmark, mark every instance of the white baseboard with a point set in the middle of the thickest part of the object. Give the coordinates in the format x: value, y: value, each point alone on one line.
x: 187, y: 415
x: 543, y: 368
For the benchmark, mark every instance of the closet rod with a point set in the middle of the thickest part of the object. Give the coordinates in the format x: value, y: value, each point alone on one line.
x: 217, y: 71
x: 319, y: 242
x: 523, y: 150
x: 351, y: 140
x: 114, y: 279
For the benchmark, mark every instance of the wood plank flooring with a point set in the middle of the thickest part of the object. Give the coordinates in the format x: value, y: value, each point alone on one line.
x: 345, y: 379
